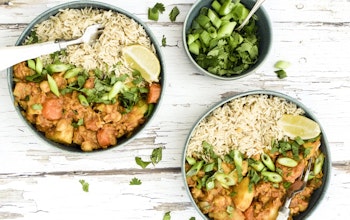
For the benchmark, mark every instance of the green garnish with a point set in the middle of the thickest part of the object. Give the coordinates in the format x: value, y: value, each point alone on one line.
x: 167, y: 216
x: 135, y: 181
x: 282, y: 64
x: 85, y: 185
x: 53, y: 85
x: 281, y: 74
x: 214, y: 43
x: 155, y: 158
x: 163, y: 41
x: 142, y: 163
x: 156, y: 155
x: 173, y: 14
x: 37, y: 106
x: 153, y: 13
x: 281, y: 67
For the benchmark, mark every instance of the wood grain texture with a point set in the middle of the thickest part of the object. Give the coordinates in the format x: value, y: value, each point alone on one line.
x: 38, y: 181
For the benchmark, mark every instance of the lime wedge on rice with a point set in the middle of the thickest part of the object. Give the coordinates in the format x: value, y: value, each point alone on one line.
x: 299, y: 126
x: 141, y: 58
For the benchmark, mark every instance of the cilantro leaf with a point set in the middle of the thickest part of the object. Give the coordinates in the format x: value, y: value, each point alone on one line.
x: 173, y: 14
x: 141, y: 163
x: 135, y: 181
x: 85, y: 185
x: 163, y: 41
x: 153, y: 13
x: 156, y: 155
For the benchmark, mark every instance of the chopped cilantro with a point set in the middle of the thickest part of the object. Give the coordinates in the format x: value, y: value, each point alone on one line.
x: 141, y: 163
x: 163, y: 41
x: 155, y: 158
x: 156, y: 155
x: 153, y: 13
x: 135, y: 181
x: 192, y: 218
x: 173, y: 14
x: 85, y: 185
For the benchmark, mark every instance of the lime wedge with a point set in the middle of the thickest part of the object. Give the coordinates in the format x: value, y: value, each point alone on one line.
x: 144, y: 60
x: 299, y: 126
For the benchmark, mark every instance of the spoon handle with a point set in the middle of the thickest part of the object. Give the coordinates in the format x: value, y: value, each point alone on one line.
x: 258, y: 3
x: 16, y: 54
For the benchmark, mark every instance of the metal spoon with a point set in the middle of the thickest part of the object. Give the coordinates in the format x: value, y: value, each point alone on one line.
x: 16, y: 54
x: 257, y: 5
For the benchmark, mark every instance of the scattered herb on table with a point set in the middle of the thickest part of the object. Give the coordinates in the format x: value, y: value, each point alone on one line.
x: 135, y: 181
x: 141, y: 163
x: 155, y: 158
x: 163, y: 41
x: 193, y: 218
x: 167, y: 216
x: 85, y: 185
x: 153, y: 13
x: 281, y: 67
x: 214, y: 43
x: 173, y: 14
x: 156, y: 155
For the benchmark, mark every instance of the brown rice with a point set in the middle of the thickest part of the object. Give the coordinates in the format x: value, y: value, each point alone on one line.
x: 105, y: 54
x: 248, y: 124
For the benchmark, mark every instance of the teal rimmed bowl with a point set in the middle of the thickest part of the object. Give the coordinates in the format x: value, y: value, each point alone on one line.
x: 264, y: 34
x: 94, y: 5
x: 317, y: 195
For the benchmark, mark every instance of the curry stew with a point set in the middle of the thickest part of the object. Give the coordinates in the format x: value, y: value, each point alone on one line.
x: 85, y: 109
x: 236, y: 187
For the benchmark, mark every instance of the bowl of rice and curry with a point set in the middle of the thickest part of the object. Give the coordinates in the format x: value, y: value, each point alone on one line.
x: 249, y: 156
x: 94, y: 96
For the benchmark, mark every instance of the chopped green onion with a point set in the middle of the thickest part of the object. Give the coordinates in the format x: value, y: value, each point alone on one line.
x: 318, y: 164
x: 58, y: 67
x: 208, y: 167
x: 53, y: 86
x: 117, y: 88
x: 210, y: 183
x: 37, y: 106
x: 286, y: 161
x: 31, y: 64
x: 38, y: 65
x: 83, y: 101
x: 272, y: 176
x: 195, y: 168
x: 256, y: 164
x: 190, y: 160
x: 72, y: 72
x: 266, y: 159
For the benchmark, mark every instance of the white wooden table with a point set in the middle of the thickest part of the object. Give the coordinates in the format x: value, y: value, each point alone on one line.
x: 38, y: 181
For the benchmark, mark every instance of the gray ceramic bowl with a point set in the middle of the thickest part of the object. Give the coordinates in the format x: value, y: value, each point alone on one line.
x: 264, y: 34
x: 95, y: 5
x: 318, y: 194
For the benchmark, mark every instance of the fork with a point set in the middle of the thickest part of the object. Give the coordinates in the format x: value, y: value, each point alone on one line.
x: 283, y: 213
x: 16, y: 54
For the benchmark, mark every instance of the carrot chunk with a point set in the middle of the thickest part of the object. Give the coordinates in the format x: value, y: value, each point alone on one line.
x: 154, y: 93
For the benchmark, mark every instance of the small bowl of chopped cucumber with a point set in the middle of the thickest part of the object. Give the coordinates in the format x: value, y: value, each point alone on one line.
x: 215, y: 46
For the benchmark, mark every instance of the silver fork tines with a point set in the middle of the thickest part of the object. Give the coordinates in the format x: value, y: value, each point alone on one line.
x: 283, y: 214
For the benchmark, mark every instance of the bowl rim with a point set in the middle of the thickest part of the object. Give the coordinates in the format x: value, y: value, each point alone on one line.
x: 97, y: 5
x: 247, y: 72
x: 326, y: 166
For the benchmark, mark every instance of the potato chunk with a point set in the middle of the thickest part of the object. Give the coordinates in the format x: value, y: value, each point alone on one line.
x: 243, y: 195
